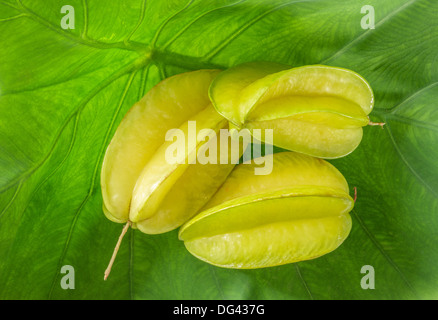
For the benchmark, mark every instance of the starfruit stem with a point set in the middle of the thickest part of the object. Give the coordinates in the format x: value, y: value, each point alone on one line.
x: 381, y: 124
x: 116, y: 249
x: 355, y: 194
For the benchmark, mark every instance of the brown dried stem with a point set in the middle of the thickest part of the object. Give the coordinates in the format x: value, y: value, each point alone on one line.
x: 116, y: 249
x: 381, y: 124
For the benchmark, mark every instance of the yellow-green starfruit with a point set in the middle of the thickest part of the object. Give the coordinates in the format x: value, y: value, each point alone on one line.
x: 298, y: 212
x: 316, y: 110
x: 139, y: 183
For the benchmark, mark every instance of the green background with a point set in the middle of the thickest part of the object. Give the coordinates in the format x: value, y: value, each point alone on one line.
x: 63, y: 93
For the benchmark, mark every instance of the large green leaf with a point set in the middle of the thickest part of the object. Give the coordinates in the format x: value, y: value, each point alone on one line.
x: 63, y: 93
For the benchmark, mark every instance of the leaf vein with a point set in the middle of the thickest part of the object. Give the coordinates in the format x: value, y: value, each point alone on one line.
x: 140, y: 20
x: 53, y: 171
x: 131, y: 46
x: 413, y: 96
x: 391, y: 111
x: 163, y: 25
x: 413, y: 122
x: 367, y: 32
x: 14, y: 196
x: 85, y: 29
x: 250, y: 23
x: 216, y: 281
x: 187, y: 26
x: 84, y: 102
x: 300, y: 276
x: 382, y: 251
x: 21, y: 15
x: 93, y: 180
x: 144, y: 78
x: 406, y: 162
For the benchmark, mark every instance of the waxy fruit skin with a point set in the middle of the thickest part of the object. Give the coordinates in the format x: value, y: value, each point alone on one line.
x: 316, y: 110
x: 298, y: 212
x: 138, y: 183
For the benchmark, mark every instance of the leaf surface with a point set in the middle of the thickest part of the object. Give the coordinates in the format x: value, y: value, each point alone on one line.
x: 63, y: 93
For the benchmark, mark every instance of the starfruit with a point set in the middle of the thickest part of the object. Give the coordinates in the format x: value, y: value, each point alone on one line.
x: 298, y: 212
x: 316, y: 110
x: 138, y: 182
